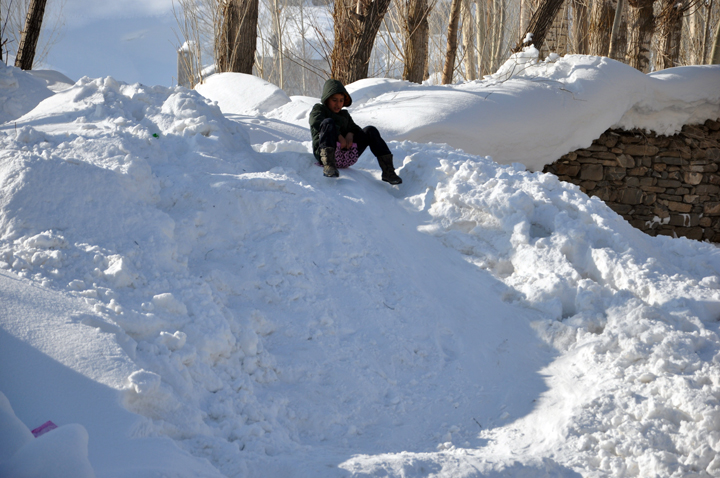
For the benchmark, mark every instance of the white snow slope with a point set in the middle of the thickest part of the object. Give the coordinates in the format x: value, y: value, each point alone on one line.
x: 183, y: 304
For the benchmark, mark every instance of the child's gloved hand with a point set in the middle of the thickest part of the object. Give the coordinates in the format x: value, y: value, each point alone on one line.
x: 346, y: 142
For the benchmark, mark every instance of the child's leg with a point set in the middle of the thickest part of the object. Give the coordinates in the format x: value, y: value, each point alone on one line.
x: 328, y: 142
x: 370, y: 136
x: 328, y: 134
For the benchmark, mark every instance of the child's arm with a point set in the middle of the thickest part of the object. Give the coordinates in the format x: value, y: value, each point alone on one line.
x: 317, y: 115
x: 352, y: 127
x: 352, y: 130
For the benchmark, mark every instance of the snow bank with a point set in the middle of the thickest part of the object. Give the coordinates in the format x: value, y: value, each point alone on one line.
x: 369, y: 89
x: 82, y: 194
x: 641, y: 337
x: 19, y: 92
x: 55, y: 80
x: 15, y: 434
x: 64, y: 361
x: 239, y: 93
x: 62, y: 453
x: 682, y: 95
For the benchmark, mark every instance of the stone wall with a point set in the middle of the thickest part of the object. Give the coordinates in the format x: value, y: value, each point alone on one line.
x: 666, y: 185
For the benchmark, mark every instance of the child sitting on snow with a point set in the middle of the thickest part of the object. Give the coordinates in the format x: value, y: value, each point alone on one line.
x: 334, y: 133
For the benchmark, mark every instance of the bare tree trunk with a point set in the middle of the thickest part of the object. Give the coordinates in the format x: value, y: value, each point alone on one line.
x: 580, y: 27
x: 601, y: 23
x: 279, y: 42
x: 498, y: 33
x: 356, y: 25
x: 30, y: 35
x: 692, y: 42
x: 615, y: 52
x: 236, y: 40
x: 2, y: 41
x: 540, y: 23
x: 622, y: 37
x: 676, y: 40
x: 715, y: 54
x: 670, y: 28
x: 481, y: 37
x: 452, y: 35
x: 416, y: 40
x: 527, y: 8
x: 468, y: 36
x: 556, y: 38
x: 706, y: 27
x: 303, y: 51
x: 640, y: 30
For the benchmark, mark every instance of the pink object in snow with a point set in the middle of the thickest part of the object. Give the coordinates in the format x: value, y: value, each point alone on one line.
x: 44, y: 428
x: 344, y: 158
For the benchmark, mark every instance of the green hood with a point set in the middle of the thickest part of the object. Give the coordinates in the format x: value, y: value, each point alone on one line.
x: 332, y: 87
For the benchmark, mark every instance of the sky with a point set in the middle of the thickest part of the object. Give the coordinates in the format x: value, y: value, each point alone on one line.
x: 131, y: 40
x: 183, y: 293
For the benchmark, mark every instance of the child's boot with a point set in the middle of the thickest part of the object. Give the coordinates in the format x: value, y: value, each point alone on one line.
x: 388, y: 170
x: 327, y: 156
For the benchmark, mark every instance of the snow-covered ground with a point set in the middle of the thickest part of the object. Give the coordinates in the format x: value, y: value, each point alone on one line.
x: 184, y: 294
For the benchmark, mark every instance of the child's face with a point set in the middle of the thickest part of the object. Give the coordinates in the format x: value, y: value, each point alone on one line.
x: 336, y: 102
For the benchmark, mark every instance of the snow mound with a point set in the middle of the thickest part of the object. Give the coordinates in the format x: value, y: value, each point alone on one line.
x: 683, y: 95
x: 55, y: 80
x: 15, y: 434
x: 613, y: 298
x: 60, y: 453
x: 239, y: 93
x: 516, y: 64
x: 19, y: 92
x: 367, y: 90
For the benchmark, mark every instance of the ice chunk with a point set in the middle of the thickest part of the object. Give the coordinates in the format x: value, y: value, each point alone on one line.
x: 144, y: 382
x: 169, y: 303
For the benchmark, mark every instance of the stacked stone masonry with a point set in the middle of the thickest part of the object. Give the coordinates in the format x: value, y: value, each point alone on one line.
x: 667, y: 185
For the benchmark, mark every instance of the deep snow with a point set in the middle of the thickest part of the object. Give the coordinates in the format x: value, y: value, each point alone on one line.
x: 188, y: 296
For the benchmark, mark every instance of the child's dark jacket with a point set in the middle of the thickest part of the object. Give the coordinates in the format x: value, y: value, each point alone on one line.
x: 320, y: 112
